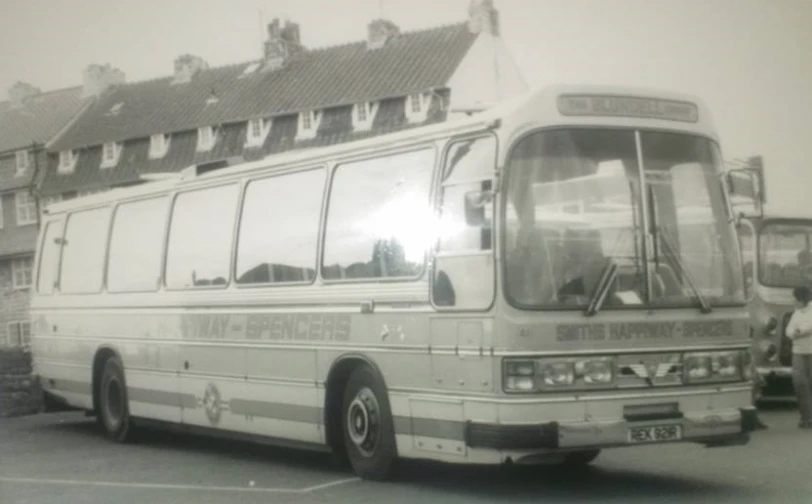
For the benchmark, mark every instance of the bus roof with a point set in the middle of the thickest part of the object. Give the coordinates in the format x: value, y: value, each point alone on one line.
x: 554, y: 105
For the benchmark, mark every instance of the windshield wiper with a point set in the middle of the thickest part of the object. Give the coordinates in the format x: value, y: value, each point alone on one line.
x: 678, y: 264
x: 601, y: 288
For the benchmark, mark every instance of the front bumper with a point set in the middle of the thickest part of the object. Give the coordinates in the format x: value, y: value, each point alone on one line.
x: 711, y: 429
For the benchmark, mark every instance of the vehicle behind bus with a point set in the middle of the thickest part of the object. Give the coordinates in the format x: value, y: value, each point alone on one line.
x: 777, y: 257
x: 551, y: 277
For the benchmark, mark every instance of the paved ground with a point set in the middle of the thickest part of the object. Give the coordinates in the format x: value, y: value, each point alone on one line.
x: 63, y: 459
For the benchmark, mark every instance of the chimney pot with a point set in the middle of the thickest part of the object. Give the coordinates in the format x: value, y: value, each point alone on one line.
x: 96, y: 79
x: 379, y: 32
x: 282, y: 44
x: 20, y: 92
x: 483, y: 17
x: 187, y: 66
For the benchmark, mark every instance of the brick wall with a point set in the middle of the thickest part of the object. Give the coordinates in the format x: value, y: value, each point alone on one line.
x: 13, y: 302
x: 19, y: 392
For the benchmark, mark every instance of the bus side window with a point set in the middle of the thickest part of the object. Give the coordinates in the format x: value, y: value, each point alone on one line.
x: 379, y: 217
x: 463, y: 273
x: 49, y: 257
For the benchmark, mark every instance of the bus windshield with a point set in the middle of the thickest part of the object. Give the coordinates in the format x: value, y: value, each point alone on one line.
x: 574, y: 207
x: 785, y: 259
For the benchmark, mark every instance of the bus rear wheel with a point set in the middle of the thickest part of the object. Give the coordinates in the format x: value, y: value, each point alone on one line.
x: 114, y: 411
x: 368, y: 429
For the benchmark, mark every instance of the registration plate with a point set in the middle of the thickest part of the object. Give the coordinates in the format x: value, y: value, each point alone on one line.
x: 655, y: 433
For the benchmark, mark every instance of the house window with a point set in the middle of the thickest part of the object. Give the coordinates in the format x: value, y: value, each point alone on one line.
x: 256, y: 128
x: 257, y: 131
x: 66, y: 162
x: 307, y: 120
x: 21, y: 271
x: 158, y: 146
x: 26, y: 209
x: 415, y: 103
x: 1, y: 211
x: 22, y: 162
x: 19, y: 333
x: 110, y: 152
x: 205, y: 138
x: 363, y: 111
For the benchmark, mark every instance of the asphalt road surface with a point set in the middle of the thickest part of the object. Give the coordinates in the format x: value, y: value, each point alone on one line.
x: 62, y: 458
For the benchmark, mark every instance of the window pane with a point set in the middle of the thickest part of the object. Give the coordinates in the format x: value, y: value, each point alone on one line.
x: 379, y: 216
x: 279, y: 228
x: 84, y: 250
x: 49, y: 258
x: 200, y: 235
x: 136, y: 246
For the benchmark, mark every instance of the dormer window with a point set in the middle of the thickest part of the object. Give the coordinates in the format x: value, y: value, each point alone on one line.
x: 158, y: 146
x: 67, y: 161
x: 417, y: 106
x: 258, y: 130
x: 22, y: 162
x: 110, y: 154
x: 205, y: 139
x: 363, y: 115
x: 309, y: 124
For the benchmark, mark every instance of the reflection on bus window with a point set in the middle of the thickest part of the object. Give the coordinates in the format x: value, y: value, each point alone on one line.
x: 136, y: 246
x: 200, y: 235
x: 83, y: 253
x: 785, y: 258
x: 49, y: 262
x: 279, y: 228
x: 571, y: 209
x: 694, y: 240
x: 379, y: 219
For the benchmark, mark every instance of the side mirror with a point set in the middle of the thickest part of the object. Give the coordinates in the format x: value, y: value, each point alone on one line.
x: 476, y: 206
x: 744, y: 187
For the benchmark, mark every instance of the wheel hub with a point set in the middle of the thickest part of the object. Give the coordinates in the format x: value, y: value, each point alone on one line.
x: 363, y: 422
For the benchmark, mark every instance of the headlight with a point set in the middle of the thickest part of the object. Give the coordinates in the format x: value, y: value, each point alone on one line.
x: 530, y: 375
x: 716, y: 366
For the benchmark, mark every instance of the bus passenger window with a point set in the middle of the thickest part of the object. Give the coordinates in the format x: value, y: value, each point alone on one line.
x: 84, y: 250
x: 379, y: 219
x: 200, y: 237
x: 136, y: 246
x: 279, y: 228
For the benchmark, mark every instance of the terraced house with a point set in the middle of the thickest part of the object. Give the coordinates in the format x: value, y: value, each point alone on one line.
x: 290, y: 98
x: 28, y: 119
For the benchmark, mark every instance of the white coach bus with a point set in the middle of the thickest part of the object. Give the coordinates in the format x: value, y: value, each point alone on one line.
x: 450, y: 292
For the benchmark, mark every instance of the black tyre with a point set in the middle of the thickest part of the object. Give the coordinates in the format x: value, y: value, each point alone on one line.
x: 581, y: 458
x: 368, y: 429
x: 114, y: 411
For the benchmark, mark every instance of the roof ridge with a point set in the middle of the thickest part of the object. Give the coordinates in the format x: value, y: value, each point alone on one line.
x: 47, y: 93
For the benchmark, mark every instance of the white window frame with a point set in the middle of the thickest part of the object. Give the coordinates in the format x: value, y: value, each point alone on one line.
x: 23, y: 160
x: 111, y: 152
x: 18, y: 328
x: 67, y: 161
x: 363, y: 115
x: 206, y: 138
x: 417, y: 106
x: 309, y: 121
x: 26, y: 211
x: 16, y: 269
x: 159, y: 145
x: 252, y: 139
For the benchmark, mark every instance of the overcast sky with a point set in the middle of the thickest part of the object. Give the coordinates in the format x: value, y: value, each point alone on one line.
x: 751, y: 60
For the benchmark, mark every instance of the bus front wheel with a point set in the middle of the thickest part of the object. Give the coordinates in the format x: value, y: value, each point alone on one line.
x: 369, y: 434
x: 114, y: 412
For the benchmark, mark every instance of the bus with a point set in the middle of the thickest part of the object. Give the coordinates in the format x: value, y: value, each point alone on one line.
x: 777, y: 255
x: 472, y: 291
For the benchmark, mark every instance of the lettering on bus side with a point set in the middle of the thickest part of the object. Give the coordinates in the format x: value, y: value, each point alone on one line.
x: 635, y: 331
x: 277, y: 327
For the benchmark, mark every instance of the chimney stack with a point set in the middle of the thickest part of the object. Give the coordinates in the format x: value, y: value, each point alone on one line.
x: 283, y: 43
x: 20, y: 92
x: 96, y: 79
x: 483, y: 17
x: 379, y: 32
x: 186, y: 67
